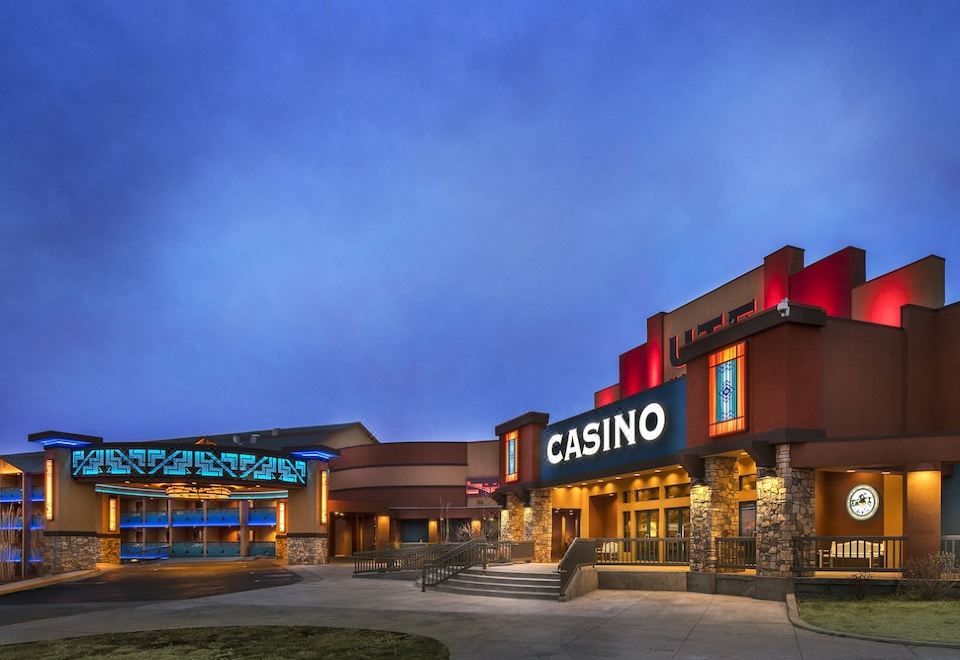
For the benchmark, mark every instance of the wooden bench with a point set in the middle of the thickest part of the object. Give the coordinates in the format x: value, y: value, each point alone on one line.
x: 851, y: 550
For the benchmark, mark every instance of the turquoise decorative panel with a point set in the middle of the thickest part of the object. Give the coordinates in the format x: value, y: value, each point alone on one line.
x: 210, y: 463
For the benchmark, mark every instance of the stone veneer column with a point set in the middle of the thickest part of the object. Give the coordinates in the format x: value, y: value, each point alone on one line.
x: 281, y: 547
x: 514, y: 518
x: 541, y: 504
x: 307, y: 549
x: 109, y: 548
x: 65, y: 552
x: 713, y: 511
x: 785, y: 510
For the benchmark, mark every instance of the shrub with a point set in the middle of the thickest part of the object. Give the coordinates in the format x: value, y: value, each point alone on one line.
x: 930, y: 577
x: 859, y: 581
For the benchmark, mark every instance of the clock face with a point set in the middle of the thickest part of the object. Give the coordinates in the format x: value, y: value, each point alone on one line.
x: 862, y: 502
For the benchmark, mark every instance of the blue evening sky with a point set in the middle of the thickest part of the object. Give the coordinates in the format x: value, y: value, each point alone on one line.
x: 430, y: 217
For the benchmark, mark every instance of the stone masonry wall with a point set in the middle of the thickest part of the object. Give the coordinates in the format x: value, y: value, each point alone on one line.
x: 713, y: 511
x: 282, y: 547
x: 515, y: 515
x: 62, y: 554
x: 307, y: 550
x: 541, y: 505
x: 109, y: 551
x: 785, y: 510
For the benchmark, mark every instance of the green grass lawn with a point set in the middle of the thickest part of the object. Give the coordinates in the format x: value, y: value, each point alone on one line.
x: 932, y: 621
x: 287, y: 642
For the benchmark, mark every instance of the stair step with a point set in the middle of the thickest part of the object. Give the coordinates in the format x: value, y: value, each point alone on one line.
x: 513, y: 582
x: 538, y: 595
x: 505, y: 575
x: 499, y: 586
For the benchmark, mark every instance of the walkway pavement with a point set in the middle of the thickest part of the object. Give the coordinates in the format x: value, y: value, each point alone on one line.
x: 607, y: 624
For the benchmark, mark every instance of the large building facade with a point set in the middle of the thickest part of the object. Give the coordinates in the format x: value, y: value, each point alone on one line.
x: 796, y: 419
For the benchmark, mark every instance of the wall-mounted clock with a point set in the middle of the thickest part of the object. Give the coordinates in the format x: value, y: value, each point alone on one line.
x: 862, y: 502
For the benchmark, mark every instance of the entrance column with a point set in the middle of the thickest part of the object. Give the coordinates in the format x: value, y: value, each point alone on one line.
x: 541, y: 505
x: 921, y: 524
x: 307, y: 540
x: 713, y: 511
x: 514, y: 518
x: 785, y: 511
x: 76, y: 535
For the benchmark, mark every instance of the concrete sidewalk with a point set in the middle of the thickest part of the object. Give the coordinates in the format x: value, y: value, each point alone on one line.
x: 608, y: 624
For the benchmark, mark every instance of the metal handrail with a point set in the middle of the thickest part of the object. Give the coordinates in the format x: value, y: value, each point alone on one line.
x: 464, y: 556
x: 582, y: 552
x: 397, y: 559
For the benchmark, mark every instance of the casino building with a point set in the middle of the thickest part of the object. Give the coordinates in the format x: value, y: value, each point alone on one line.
x: 799, y: 418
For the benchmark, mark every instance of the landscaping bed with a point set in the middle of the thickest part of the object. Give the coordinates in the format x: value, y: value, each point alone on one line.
x: 287, y: 642
x: 886, y: 616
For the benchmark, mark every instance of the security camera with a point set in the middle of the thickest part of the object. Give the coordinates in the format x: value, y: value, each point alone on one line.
x: 784, y: 308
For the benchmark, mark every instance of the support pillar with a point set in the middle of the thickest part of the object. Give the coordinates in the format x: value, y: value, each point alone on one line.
x: 713, y: 511
x: 307, y: 538
x: 922, y: 512
x: 785, y: 511
x: 541, y: 505
x: 514, y: 518
x: 244, y: 513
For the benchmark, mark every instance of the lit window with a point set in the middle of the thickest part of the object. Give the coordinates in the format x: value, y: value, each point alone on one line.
x: 728, y: 402
x: 511, y: 457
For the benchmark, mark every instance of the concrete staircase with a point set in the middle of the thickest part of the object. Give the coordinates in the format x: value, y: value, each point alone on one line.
x: 504, y: 584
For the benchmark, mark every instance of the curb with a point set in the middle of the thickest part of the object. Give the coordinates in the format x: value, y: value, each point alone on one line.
x: 793, y: 614
x: 40, y: 582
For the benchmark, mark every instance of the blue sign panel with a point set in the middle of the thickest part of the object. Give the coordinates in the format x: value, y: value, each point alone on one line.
x: 616, y: 438
x: 160, y: 463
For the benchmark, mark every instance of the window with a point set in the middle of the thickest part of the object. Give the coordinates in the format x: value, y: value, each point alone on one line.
x: 511, y: 457
x: 625, y: 497
x: 748, y: 518
x: 728, y: 390
x: 648, y: 494
x: 626, y: 524
x: 647, y: 523
x: 677, y: 490
x: 748, y: 482
x: 677, y: 522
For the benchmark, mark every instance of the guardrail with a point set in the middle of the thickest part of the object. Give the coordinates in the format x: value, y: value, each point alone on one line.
x: 406, y: 558
x: 654, y: 551
x: 582, y: 552
x: 848, y: 553
x: 736, y: 551
x: 144, y: 551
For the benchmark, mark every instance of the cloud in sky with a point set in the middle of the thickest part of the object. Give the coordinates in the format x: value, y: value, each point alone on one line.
x: 431, y: 216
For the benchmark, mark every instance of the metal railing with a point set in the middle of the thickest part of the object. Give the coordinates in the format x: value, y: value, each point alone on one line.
x: 736, y: 551
x: 451, y: 563
x: 654, y: 551
x: 405, y: 558
x: 848, y: 553
x: 582, y: 552
x: 144, y: 551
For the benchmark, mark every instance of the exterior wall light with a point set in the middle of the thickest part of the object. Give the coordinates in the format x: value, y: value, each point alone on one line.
x: 281, y: 517
x: 112, y: 514
x: 48, y: 489
x: 323, y: 497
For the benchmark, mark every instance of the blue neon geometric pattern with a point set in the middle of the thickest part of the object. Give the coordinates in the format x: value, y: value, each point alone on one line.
x: 138, y: 462
x: 726, y: 391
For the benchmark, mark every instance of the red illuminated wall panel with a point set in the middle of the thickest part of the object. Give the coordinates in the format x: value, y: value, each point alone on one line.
x: 829, y: 282
x: 880, y: 299
x: 633, y: 371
